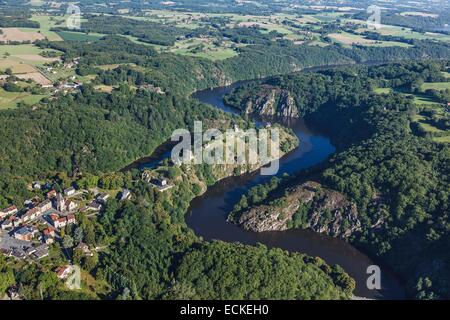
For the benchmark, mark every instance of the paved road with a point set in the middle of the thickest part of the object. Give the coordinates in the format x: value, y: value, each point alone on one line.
x: 8, y: 242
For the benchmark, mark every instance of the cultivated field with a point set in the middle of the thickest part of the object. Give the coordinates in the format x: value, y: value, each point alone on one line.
x: 353, y: 39
x: 22, y: 58
x: 15, y: 66
x: 10, y: 100
x: 19, y: 35
x: 36, y: 77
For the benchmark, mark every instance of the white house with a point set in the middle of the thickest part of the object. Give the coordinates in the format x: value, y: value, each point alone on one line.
x: 69, y: 191
x: 126, y: 195
x: 71, y: 205
x: 102, y: 198
x: 45, y: 206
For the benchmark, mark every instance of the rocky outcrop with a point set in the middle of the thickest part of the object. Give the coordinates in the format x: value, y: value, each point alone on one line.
x: 308, y: 206
x: 272, y: 101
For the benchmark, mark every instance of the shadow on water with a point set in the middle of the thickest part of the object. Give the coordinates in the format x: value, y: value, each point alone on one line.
x: 208, y: 213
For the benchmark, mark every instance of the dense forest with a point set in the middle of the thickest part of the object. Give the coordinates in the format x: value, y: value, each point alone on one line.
x: 7, y: 21
x: 90, y: 131
x: 393, y: 175
x: 438, y: 23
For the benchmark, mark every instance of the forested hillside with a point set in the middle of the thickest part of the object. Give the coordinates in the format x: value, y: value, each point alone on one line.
x: 399, y: 180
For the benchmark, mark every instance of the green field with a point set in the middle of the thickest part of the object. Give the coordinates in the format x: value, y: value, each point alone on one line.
x: 22, y: 58
x: 436, y: 85
x: 424, y: 100
x: 423, y: 122
x: 21, y: 49
x: 429, y: 128
x: 382, y: 90
x: 204, y: 48
x: 349, y: 39
x: 444, y: 139
x: 211, y: 54
x: 419, y: 99
x: 328, y: 16
x: 46, y: 23
x: 10, y: 100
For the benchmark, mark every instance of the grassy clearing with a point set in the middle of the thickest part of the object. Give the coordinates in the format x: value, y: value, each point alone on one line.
x: 114, y: 66
x: 436, y: 85
x: 9, y: 100
x: 26, y: 53
x: 429, y: 128
x: 20, y: 49
x: 104, y: 88
x: 46, y: 23
x: 213, y: 54
x: 318, y: 43
x: 419, y: 99
x: 354, y: 39
x: 204, y: 48
x: 418, y: 118
x: 308, y: 19
x: 424, y: 100
x: 444, y: 139
x: 382, y: 90
x: 328, y: 16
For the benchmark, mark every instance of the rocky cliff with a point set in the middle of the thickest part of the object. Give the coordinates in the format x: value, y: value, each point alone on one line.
x: 307, y: 206
x: 271, y: 101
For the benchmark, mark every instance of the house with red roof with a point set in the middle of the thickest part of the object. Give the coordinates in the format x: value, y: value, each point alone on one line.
x: 8, y: 212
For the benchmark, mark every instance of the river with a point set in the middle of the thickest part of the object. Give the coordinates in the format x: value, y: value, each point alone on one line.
x: 208, y: 213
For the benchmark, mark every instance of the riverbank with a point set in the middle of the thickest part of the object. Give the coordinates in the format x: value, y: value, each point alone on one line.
x: 209, y: 212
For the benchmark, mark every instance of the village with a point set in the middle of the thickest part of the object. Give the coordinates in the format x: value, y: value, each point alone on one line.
x: 28, y: 232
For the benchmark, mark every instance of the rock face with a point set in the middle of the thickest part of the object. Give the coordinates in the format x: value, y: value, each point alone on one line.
x: 308, y: 206
x: 272, y: 101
